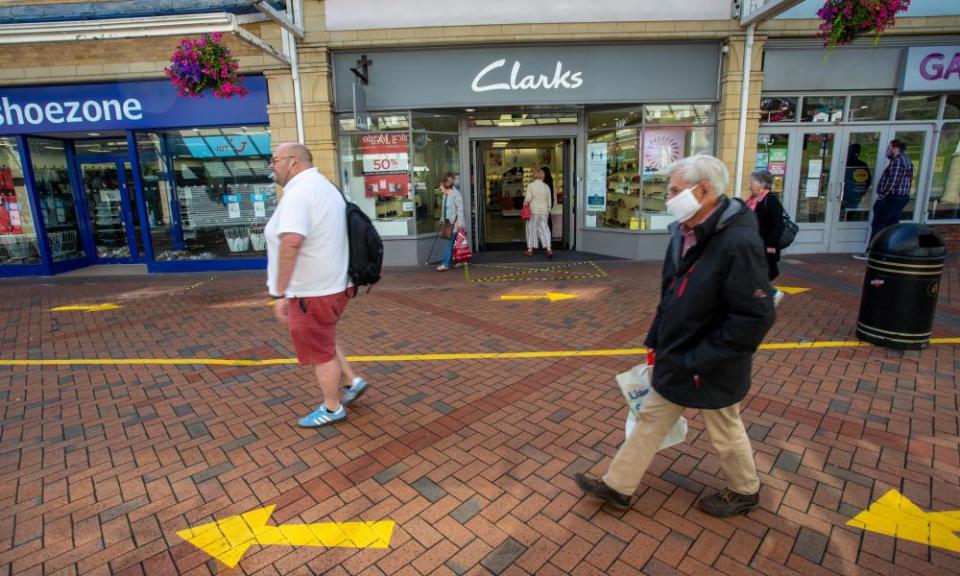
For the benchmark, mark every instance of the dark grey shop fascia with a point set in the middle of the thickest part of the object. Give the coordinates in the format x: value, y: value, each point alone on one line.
x: 513, y: 75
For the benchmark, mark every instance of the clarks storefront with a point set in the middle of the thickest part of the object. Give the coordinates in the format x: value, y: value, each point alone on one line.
x: 128, y: 172
x: 602, y: 120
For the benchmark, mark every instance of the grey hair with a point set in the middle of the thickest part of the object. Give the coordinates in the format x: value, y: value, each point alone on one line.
x: 701, y: 167
x: 763, y: 177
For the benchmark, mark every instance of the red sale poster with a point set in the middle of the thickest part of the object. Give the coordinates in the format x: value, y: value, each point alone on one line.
x: 386, y: 164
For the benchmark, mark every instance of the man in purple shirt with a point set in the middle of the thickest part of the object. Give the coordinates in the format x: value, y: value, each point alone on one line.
x: 893, y: 191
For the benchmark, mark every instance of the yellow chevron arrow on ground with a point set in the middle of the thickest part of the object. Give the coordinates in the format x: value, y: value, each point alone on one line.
x: 791, y: 289
x: 227, y: 540
x: 895, y: 515
x: 86, y: 308
x: 551, y: 296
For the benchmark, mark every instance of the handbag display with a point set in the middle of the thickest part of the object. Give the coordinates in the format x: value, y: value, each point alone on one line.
x: 446, y: 230
x: 461, y: 249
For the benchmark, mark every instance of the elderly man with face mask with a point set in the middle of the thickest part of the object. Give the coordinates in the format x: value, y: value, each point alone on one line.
x: 716, y: 306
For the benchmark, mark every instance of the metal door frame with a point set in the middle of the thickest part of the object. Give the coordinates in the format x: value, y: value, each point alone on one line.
x: 126, y: 205
x: 568, y: 140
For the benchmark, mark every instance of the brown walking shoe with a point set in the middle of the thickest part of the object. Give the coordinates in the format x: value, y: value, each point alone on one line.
x: 726, y: 503
x: 598, y: 489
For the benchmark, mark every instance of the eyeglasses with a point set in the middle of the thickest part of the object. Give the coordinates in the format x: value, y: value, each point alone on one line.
x: 274, y: 159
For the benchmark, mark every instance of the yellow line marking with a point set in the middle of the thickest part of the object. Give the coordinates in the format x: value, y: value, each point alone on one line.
x: 773, y: 346
x: 86, y: 308
x: 227, y: 540
x: 792, y: 289
x: 551, y: 296
x: 895, y: 515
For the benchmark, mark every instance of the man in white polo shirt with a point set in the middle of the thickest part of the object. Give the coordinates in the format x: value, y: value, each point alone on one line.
x: 307, y: 258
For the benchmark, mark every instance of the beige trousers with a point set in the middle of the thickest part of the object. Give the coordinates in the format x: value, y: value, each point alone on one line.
x: 657, y: 415
x: 537, y: 227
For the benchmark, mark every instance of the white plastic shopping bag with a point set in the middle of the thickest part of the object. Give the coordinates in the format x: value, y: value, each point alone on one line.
x: 635, y: 385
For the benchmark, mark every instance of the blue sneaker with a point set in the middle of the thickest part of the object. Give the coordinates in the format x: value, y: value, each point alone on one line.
x: 354, y: 391
x: 321, y: 417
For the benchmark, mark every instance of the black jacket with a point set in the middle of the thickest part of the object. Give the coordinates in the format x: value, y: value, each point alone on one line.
x: 770, y: 221
x: 716, y: 305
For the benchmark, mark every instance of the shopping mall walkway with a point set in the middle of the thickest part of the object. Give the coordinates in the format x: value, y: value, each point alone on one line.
x: 166, y: 403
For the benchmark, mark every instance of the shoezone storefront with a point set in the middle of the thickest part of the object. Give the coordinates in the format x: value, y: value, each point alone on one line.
x: 602, y: 121
x: 131, y: 173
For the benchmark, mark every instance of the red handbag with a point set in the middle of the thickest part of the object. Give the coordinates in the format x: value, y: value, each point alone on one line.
x: 525, y: 212
x: 461, y: 249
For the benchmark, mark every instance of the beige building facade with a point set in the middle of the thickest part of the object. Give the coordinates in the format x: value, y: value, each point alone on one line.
x: 604, y: 105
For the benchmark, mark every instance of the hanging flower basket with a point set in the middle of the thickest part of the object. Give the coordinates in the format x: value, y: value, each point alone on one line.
x: 205, y: 64
x: 846, y: 20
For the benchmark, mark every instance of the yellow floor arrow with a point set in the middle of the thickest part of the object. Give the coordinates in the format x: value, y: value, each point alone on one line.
x: 894, y: 515
x: 227, y: 540
x: 551, y: 296
x: 86, y: 308
x: 791, y: 289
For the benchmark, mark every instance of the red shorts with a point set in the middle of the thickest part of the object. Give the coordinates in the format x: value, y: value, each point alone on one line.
x: 313, y: 327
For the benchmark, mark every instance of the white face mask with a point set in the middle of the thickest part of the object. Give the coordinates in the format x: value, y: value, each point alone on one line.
x: 684, y: 205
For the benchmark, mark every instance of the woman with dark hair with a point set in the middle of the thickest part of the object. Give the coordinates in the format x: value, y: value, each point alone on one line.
x: 769, y: 213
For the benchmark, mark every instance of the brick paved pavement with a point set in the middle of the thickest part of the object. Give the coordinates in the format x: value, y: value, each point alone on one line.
x: 101, y: 465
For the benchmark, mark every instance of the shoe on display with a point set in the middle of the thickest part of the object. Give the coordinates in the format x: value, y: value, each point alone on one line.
x: 321, y: 417
x: 726, y: 503
x: 596, y: 488
x: 354, y: 391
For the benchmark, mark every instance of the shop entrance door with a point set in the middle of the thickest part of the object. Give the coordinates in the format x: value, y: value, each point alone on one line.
x: 113, y: 223
x: 827, y: 177
x: 502, y: 170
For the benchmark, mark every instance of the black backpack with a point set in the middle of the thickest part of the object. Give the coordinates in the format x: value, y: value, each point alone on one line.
x: 790, y: 230
x: 366, y: 248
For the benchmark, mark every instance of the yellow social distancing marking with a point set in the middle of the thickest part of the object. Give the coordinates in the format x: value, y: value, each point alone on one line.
x: 551, y: 296
x: 86, y: 308
x: 895, y: 515
x: 792, y: 290
x: 227, y: 540
x: 533, y: 354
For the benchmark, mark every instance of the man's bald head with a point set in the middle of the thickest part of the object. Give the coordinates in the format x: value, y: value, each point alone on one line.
x: 290, y: 159
x: 296, y: 150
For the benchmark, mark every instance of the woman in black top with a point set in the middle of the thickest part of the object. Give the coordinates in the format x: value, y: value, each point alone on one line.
x: 769, y: 213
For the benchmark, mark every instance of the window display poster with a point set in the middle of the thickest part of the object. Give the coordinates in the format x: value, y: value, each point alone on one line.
x: 386, y: 164
x: 778, y: 154
x: 763, y: 160
x: 813, y: 188
x: 814, y: 169
x: 596, y: 177
x: 777, y: 168
x: 662, y: 147
x: 259, y: 205
x: 233, y: 205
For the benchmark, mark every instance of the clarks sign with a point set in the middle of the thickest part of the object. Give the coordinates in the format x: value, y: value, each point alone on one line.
x: 533, y: 75
x: 931, y: 69
x: 561, y: 79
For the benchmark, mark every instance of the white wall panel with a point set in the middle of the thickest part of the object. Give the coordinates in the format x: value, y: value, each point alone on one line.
x: 378, y: 14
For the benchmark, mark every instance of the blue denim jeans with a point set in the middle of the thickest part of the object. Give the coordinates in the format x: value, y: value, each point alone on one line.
x: 448, y: 250
x: 886, y: 212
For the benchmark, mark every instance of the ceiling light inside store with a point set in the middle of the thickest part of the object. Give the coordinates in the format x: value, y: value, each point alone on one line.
x: 502, y: 144
x: 509, y: 123
x: 471, y: 109
x: 53, y: 148
x: 93, y: 133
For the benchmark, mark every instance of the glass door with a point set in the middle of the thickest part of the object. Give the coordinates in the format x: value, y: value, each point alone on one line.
x: 861, y: 150
x: 917, y: 139
x: 810, y: 186
x: 106, y: 189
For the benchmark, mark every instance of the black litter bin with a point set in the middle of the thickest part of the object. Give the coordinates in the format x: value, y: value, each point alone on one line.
x: 900, y: 287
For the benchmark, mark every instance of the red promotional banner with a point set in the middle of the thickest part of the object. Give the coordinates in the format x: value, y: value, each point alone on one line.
x: 386, y: 164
